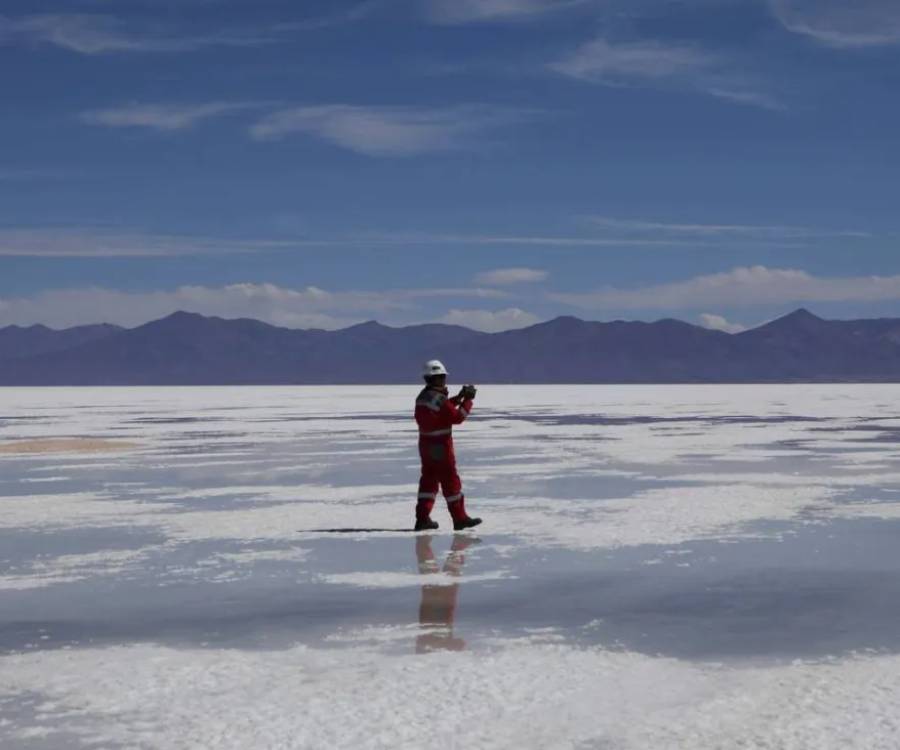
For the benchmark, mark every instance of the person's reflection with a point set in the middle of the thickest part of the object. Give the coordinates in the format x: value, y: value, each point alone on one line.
x: 438, y: 604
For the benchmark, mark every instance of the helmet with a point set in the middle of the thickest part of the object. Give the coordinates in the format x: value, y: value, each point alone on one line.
x: 433, y: 367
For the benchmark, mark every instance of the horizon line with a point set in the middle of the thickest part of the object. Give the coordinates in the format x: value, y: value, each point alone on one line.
x: 183, y: 312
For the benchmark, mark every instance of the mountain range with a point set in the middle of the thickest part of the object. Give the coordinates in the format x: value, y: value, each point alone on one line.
x: 190, y: 349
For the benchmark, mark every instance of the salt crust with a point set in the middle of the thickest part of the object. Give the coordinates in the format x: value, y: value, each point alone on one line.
x: 525, y: 694
x: 68, y: 568
x: 661, y: 516
x: 217, y: 568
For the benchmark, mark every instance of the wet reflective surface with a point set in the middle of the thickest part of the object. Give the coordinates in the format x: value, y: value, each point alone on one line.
x: 713, y: 525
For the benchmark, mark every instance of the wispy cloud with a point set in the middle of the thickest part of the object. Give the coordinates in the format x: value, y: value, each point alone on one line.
x: 602, y: 61
x: 740, y: 287
x: 93, y: 34
x: 163, y: 117
x: 720, y: 323
x: 388, y: 131
x: 353, y: 14
x: 509, y: 276
x: 842, y: 23
x: 88, y: 242
x: 474, y: 11
x: 662, y: 65
x: 97, y: 34
x: 81, y: 241
x: 491, y: 320
x: 748, y: 97
x: 631, y: 227
x: 307, y: 307
x: 423, y: 238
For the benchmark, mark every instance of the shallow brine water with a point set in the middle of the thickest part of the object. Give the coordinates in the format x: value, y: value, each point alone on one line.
x: 659, y: 566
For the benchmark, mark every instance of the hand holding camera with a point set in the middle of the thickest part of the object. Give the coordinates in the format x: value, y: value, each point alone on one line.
x: 467, y: 392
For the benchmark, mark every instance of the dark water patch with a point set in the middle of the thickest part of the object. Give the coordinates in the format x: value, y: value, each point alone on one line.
x: 173, y: 420
x: 392, y: 417
x: 823, y: 590
x: 608, y: 421
x: 828, y: 589
x: 216, y: 435
x: 23, y: 418
x: 866, y: 494
x: 574, y: 438
x: 221, y: 503
x: 583, y: 485
x: 202, y: 448
x: 556, y: 419
x: 821, y: 452
x: 21, y: 546
x: 269, y: 605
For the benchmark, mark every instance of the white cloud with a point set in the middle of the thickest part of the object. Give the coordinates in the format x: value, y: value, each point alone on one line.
x: 842, y: 23
x: 386, y: 131
x: 97, y: 34
x: 652, y: 63
x: 468, y: 11
x: 505, y: 276
x: 308, y: 307
x: 603, y: 61
x: 91, y: 34
x: 719, y: 323
x: 740, y: 287
x: 491, y: 320
x: 736, y: 231
x: 415, y: 238
x: 164, y: 117
x: 749, y: 98
x: 89, y: 242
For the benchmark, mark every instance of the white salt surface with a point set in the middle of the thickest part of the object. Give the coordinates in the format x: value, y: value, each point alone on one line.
x: 522, y: 696
x: 233, y: 490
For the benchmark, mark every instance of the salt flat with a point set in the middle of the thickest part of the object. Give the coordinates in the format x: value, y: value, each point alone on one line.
x: 690, y: 566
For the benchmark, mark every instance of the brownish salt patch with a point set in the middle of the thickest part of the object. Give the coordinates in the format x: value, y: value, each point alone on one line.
x: 66, y: 445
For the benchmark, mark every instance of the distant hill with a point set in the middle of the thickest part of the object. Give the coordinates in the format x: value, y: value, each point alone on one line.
x: 190, y: 349
x: 17, y: 342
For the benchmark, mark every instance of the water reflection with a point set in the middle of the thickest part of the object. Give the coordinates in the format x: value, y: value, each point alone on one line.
x: 438, y: 604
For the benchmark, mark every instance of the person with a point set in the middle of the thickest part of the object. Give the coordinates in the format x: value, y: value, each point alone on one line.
x: 436, y: 414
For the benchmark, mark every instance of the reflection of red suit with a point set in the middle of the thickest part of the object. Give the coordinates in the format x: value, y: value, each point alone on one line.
x: 438, y: 606
x: 436, y: 414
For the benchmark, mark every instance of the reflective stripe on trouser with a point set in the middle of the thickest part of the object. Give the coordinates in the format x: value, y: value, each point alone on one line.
x: 449, y: 482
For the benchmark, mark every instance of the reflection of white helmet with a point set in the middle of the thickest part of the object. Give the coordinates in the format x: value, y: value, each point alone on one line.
x: 433, y: 367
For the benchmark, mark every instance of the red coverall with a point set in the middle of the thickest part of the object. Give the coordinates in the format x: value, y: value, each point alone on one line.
x: 436, y: 414
x: 438, y: 606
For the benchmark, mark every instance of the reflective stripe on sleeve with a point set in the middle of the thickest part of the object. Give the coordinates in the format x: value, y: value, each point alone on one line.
x: 463, y: 412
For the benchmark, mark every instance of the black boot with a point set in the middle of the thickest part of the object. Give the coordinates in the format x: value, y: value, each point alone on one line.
x: 425, y: 524
x: 465, y: 523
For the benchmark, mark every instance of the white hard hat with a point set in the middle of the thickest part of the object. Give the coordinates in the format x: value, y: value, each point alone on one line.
x: 433, y: 367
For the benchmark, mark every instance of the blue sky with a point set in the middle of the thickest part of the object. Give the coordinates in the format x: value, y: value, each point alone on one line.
x: 486, y: 162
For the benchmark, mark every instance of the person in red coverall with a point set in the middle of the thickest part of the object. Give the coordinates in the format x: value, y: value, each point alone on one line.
x: 436, y: 414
